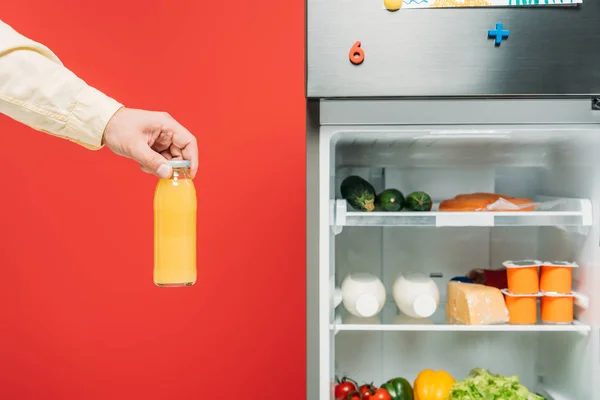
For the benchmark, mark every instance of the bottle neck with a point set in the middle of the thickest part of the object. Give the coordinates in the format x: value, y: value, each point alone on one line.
x: 181, y: 173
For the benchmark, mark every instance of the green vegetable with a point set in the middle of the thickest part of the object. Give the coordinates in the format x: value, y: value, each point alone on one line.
x: 481, y: 384
x: 390, y: 200
x: 391, y: 390
x: 359, y: 193
x: 418, y: 201
x: 399, y: 389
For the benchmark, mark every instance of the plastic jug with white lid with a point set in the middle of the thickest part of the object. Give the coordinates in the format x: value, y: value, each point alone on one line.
x: 363, y: 294
x: 416, y: 294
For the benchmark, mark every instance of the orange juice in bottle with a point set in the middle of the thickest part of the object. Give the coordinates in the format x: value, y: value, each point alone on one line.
x: 175, y: 228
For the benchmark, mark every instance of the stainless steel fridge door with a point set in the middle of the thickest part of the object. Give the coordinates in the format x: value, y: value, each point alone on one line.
x: 447, y: 52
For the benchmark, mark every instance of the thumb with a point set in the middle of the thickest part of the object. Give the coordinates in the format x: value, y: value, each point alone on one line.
x: 152, y: 162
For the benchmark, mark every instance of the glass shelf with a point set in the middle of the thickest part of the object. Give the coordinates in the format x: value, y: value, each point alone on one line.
x: 561, y: 212
x: 390, y: 319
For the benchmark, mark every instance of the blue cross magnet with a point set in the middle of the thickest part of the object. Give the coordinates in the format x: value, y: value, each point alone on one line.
x: 498, y: 34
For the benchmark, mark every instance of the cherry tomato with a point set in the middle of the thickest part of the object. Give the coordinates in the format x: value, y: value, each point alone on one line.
x: 367, y: 391
x: 381, y: 394
x: 354, y: 396
x: 343, y: 389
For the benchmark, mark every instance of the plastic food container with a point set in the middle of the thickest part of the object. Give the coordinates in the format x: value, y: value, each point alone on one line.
x: 557, y: 308
x: 557, y: 276
x: 477, y: 276
x: 462, y: 279
x: 363, y: 295
x: 522, y: 308
x: 416, y: 295
x: 495, y: 278
x: 523, y: 276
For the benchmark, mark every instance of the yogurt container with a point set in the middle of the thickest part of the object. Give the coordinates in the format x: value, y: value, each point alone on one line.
x: 523, y: 276
x: 522, y: 308
x: 557, y: 308
x: 557, y: 276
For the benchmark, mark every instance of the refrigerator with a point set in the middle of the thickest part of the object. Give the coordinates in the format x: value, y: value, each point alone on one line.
x: 426, y: 99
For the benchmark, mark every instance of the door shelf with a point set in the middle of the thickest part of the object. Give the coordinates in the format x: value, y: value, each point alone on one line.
x: 557, y: 212
x: 391, y: 320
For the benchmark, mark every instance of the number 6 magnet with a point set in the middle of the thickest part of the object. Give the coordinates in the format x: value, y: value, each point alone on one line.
x: 356, y: 55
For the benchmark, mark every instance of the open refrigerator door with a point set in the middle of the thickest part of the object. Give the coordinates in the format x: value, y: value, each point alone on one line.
x: 418, y: 288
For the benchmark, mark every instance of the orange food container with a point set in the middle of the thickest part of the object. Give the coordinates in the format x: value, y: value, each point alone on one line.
x: 557, y: 308
x: 523, y: 276
x: 557, y: 276
x: 522, y: 308
x: 486, y: 202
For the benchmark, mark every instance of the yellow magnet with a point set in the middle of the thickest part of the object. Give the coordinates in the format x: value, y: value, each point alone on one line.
x: 392, y: 5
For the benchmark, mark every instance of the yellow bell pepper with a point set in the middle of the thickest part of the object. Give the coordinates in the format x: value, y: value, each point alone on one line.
x: 431, y: 385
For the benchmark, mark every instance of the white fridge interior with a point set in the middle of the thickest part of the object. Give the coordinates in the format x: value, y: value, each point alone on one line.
x: 556, y: 164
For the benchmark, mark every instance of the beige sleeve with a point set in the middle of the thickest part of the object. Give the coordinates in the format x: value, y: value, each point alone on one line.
x: 38, y: 91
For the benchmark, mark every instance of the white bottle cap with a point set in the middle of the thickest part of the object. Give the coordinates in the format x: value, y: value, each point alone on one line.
x: 424, y: 306
x: 367, y: 305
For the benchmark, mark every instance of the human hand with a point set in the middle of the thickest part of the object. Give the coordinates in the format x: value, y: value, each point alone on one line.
x: 150, y: 138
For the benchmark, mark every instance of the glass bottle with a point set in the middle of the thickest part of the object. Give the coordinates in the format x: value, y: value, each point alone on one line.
x: 175, y: 228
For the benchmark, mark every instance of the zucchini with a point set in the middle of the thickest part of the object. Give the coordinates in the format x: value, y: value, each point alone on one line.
x: 419, y: 201
x: 359, y: 193
x: 390, y: 200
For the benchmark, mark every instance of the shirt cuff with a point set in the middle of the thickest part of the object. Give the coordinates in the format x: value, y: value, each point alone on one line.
x: 89, y: 117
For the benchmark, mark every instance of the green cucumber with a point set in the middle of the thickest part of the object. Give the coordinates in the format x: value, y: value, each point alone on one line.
x: 359, y: 193
x: 390, y: 200
x: 418, y: 201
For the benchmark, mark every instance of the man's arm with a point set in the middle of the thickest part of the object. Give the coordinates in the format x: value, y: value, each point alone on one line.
x: 38, y: 91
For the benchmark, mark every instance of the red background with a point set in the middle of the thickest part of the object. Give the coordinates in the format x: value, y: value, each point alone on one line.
x: 80, y: 316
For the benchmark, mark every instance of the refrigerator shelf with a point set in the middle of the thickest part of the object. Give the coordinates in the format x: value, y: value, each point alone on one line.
x: 574, y: 327
x: 391, y: 320
x: 559, y: 212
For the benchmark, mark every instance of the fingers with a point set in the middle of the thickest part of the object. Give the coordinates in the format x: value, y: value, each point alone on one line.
x: 151, y: 161
x: 166, y: 154
x: 175, y: 152
x: 163, y: 141
x: 184, y: 140
x: 151, y: 138
x: 146, y: 170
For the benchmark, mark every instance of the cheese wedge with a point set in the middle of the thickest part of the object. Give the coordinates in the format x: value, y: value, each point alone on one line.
x: 473, y: 304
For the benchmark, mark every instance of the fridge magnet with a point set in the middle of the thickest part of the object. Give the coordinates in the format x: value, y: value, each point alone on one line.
x: 392, y: 5
x: 478, y: 3
x: 498, y: 34
x: 357, y: 54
